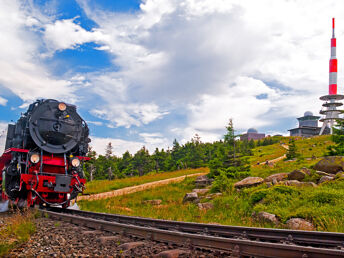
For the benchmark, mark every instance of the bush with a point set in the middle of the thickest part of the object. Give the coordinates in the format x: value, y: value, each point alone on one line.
x: 324, y: 197
x: 258, y: 196
x: 222, y: 183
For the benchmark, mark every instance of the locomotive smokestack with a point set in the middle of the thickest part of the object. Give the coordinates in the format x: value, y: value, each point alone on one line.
x: 333, y: 64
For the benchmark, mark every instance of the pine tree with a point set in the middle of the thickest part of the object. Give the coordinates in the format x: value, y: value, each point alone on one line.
x: 108, y: 150
x: 227, y: 161
x: 338, y: 139
x: 292, y: 151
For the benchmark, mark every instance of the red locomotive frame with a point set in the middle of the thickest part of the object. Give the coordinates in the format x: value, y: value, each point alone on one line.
x: 39, y: 180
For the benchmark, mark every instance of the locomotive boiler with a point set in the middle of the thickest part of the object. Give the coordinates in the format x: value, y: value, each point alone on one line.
x: 44, y: 154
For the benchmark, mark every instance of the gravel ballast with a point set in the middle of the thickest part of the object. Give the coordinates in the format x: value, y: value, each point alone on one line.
x: 62, y: 239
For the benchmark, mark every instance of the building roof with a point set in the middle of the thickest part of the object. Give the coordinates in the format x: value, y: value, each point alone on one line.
x: 252, y: 130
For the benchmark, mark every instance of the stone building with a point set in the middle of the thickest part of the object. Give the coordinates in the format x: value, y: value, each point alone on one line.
x: 308, y: 126
x: 252, y: 133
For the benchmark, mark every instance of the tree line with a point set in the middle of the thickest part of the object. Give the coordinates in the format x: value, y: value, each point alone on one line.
x: 228, y: 156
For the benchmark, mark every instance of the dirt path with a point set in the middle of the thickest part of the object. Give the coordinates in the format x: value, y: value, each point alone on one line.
x: 136, y: 188
x: 273, y: 161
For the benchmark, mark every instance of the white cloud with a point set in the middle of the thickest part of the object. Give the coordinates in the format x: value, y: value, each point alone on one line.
x: 189, y: 54
x: 97, y: 123
x: 150, y: 141
x: 21, y: 70
x: 66, y: 34
x: 129, y: 114
x: 3, y: 134
x: 3, y: 101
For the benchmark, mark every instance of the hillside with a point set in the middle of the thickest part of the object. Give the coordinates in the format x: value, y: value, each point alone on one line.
x: 323, y: 205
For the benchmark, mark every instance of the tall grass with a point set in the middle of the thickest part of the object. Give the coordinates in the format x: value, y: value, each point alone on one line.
x: 16, y: 230
x: 99, y: 186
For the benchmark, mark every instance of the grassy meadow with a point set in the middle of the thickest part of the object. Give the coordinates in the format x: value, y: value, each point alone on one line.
x: 322, y: 205
x: 16, y: 231
x: 100, y: 186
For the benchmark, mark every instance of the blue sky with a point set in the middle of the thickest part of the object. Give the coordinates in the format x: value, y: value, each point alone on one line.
x: 147, y: 72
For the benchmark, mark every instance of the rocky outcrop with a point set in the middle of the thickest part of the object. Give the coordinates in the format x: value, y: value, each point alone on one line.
x: 296, y: 175
x: 300, y: 224
x: 201, y: 191
x: 276, y: 177
x: 325, y: 179
x: 153, y: 202
x: 205, y: 206
x: 307, y: 171
x: 322, y: 173
x: 248, y: 182
x: 213, y: 195
x: 190, y: 197
x: 298, y: 183
x: 291, y: 183
x: 332, y: 165
x: 202, y: 181
x: 266, y: 217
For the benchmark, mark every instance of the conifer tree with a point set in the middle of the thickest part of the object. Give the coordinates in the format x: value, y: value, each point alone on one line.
x: 338, y: 139
x: 228, y: 162
x: 292, y: 151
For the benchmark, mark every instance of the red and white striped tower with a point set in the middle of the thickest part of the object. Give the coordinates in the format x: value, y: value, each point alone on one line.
x: 331, y: 101
x: 333, y: 64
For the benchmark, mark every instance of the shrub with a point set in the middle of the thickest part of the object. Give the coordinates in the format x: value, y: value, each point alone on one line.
x: 258, y: 196
x: 324, y: 197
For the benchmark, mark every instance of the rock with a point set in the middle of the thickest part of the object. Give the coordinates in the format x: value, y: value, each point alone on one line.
x: 205, y: 206
x: 174, y: 253
x: 131, y: 245
x: 325, y: 179
x: 153, y: 202
x: 248, y: 182
x: 300, y: 224
x: 202, y: 181
x: 278, y: 177
x: 309, y: 184
x: 200, y: 191
x: 307, y: 171
x: 330, y: 165
x: 267, y: 217
x: 296, y: 175
x: 291, y: 182
x: 322, y: 173
x: 190, y: 197
x: 105, y: 239
x: 213, y: 195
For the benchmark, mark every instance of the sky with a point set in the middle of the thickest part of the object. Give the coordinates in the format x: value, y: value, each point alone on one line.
x: 146, y: 72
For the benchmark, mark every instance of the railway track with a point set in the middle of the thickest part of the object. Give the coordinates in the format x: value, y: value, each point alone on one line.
x: 239, y: 241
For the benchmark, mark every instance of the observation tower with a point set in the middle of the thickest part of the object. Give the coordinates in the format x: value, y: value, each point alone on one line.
x: 329, y: 109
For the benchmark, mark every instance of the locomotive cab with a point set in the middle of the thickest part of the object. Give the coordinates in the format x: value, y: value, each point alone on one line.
x: 44, y: 156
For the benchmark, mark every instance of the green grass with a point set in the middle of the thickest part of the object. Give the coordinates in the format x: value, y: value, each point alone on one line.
x: 17, y: 230
x: 99, y: 186
x: 322, y: 205
x: 263, y: 153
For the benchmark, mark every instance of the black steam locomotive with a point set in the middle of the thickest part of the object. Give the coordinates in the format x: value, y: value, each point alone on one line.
x: 44, y: 153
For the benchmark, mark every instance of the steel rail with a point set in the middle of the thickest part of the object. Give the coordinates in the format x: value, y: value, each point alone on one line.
x: 237, y: 247
x: 299, y: 237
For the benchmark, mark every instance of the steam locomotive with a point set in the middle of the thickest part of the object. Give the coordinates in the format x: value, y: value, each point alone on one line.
x: 44, y: 155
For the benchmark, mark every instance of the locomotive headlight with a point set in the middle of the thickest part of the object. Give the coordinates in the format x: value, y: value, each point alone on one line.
x: 62, y: 106
x: 75, y: 162
x: 34, y: 158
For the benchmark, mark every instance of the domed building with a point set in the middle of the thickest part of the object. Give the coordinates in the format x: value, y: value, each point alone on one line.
x: 252, y: 133
x: 308, y: 126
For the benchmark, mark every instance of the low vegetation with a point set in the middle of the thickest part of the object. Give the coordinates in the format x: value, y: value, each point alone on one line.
x: 323, y: 205
x: 15, y: 231
x: 99, y: 186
